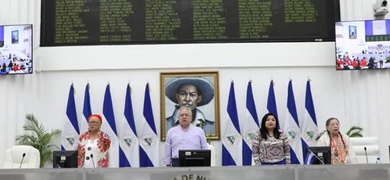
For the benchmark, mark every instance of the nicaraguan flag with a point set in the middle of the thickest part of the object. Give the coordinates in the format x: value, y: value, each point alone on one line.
x: 271, y: 101
x: 377, y: 27
x: 86, y: 110
x: 251, y: 126
x: 309, y: 159
x: 292, y: 129
x: 110, y: 128
x: 71, y: 130
x: 310, y: 127
x: 149, y: 141
x: 128, y: 140
x: 232, y: 140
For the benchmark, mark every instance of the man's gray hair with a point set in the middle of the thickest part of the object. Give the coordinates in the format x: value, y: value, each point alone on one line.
x: 187, y: 108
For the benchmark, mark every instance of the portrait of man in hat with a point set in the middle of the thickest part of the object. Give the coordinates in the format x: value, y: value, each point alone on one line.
x: 193, y: 92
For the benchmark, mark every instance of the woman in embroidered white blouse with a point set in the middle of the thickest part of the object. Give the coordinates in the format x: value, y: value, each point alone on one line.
x: 341, y: 149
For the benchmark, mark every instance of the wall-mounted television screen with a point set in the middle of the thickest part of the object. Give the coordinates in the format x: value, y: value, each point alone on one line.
x: 363, y: 44
x: 16, y: 47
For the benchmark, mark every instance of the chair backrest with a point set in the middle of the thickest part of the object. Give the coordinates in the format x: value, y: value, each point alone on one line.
x: 213, y: 155
x: 14, y: 156
x: 372, y: 147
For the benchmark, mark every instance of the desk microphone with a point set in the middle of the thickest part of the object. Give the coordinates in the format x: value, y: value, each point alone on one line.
x: 365, y: 152
x: 314, y: 154
x: 21, y: 162
x: 92, y: 161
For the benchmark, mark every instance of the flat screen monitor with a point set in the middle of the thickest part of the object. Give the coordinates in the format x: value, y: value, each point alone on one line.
x: 363, y: 45
x: 65, y: 159
x: 16, y: 49
x: 322, y: 154
x: 194, y: 158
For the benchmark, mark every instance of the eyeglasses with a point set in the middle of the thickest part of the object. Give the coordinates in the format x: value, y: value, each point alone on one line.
x: 184, y: 115
x: 334, y: 125
x: 93, y: 122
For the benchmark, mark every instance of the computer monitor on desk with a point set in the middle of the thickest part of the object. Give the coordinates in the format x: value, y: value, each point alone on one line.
x: 319, y: 155
x: 194, y: 158
x: 65, y: 159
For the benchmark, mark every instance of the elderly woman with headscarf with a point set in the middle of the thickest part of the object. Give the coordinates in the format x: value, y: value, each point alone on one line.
x: 93, y: 145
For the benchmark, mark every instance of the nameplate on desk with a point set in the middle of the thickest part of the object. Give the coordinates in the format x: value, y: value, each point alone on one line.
x: 190, y: 176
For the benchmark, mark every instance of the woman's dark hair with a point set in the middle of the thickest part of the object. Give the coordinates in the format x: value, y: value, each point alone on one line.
x: 330, y: 137
x: 263, y: 129
x: 328, y: 121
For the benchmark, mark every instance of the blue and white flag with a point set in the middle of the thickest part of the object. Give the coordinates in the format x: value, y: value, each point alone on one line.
x: 310, y: 158
x: 231, y: 139
x: 310, y: 127
x: 251, y: 126
x: 71, y: 130
x: 380, y: 27
x: 148, y: 139
x: 291, y: 128
x: 128, y: 140
x: 110, y: 128
x: 86, y: 110
x: 271, y: 101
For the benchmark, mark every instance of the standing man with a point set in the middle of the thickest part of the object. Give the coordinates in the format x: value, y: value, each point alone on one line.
x: 185, y: 136
x: 190, y: 92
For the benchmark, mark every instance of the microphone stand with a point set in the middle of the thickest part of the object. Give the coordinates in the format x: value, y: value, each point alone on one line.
x: 322, y: 162
x: 21, y: 162
x: 365, y: 151
x: 93, y: 162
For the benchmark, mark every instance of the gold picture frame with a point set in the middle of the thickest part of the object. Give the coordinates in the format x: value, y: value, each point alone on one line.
x: 206, y: 112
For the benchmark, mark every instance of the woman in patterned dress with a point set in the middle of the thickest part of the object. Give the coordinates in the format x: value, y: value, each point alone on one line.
x: 93, y: 145
x: 270, y: 145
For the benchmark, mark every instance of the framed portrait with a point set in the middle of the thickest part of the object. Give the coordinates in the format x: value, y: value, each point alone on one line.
x: 196, y: 90
x: 352, y: 32
x: 15, y: 37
